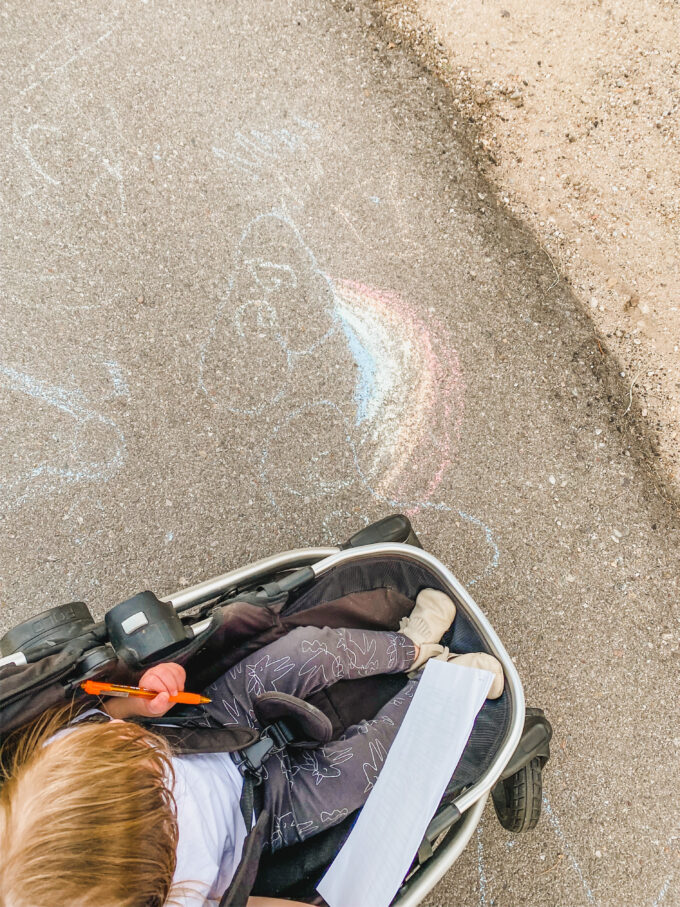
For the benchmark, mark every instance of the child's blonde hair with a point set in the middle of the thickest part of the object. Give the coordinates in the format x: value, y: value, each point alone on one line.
x: 88, y: 820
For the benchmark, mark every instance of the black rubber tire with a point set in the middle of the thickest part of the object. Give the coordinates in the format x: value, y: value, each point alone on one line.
x: 517, y: 800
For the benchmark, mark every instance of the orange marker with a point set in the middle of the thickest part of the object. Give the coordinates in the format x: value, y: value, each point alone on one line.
x: 98, y: 688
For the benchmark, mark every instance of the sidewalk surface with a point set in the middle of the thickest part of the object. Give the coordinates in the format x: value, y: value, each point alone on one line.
x: 254, y: 295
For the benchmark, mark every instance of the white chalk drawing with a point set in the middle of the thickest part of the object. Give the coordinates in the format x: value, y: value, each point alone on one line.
x: 120, y: 385
x: 253, y: 151
x: 286, y: 334
x: 66, y: 441
x: 481, y: 874
x: 250, y: 339
x: 552, y: 818
x: 567, y: 851
x: 66, y: 174
x: 334, y: 524
x: 62, y: 51
x: 49, y: 151
x: 261, y: 158
x: 51, y: 128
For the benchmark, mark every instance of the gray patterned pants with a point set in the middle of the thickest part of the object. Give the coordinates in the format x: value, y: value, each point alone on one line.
x: 308, y: 790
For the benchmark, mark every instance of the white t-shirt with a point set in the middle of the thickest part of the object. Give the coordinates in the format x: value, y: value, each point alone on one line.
x: 211, y: 828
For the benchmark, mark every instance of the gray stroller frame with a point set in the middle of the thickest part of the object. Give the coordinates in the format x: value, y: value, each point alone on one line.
x: 467, y: 809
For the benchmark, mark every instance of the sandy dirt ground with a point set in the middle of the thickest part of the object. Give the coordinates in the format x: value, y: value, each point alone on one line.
x: 574, y: 106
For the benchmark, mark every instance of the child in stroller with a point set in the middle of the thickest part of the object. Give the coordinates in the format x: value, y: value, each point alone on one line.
x: 100, y: 813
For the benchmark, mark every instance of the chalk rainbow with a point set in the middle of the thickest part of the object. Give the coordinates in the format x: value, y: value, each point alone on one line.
x: 409, y: 391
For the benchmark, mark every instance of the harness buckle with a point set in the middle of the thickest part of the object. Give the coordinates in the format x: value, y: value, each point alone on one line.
x: 273, y: 739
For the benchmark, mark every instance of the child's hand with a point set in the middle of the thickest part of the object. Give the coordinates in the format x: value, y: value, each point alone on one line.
x: 167, y: 679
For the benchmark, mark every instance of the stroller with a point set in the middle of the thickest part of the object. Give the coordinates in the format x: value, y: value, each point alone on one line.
x: 210, y: 626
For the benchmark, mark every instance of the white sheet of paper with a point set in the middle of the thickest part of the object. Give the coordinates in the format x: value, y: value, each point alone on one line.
x: 376, y: 856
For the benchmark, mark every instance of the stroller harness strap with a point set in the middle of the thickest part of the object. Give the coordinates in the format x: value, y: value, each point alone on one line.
x: 241, y: 885
x: 188, y: 740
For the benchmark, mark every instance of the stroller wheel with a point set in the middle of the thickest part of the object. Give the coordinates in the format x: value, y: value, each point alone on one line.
x: 517, y: 799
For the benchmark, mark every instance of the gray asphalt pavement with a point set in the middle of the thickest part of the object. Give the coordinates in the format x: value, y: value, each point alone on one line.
x: 253, y: 297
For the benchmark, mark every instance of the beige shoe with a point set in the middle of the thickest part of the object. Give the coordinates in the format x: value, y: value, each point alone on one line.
x: 427, y: 651
x: 432, y: 615
x: 484, y: 662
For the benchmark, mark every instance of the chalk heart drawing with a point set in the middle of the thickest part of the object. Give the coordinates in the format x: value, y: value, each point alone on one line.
x: 59, y: 439
x: 349, y: 388
x: 66, y: 151
x: 66, y: 136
